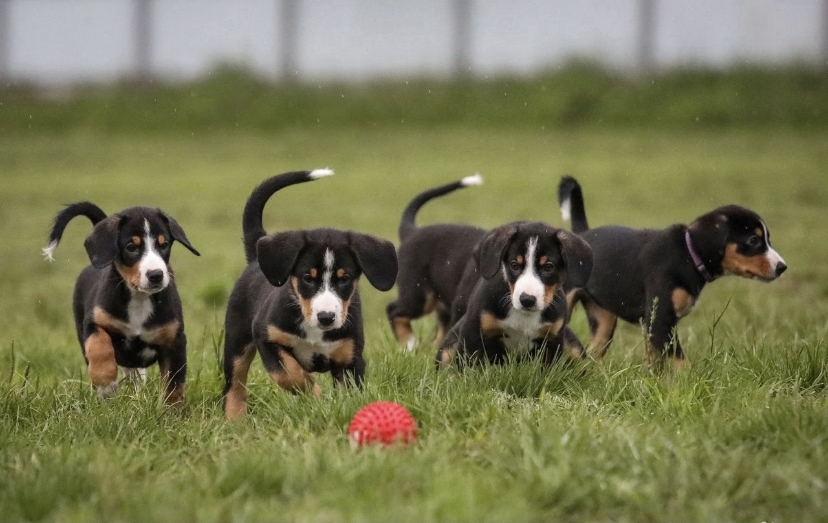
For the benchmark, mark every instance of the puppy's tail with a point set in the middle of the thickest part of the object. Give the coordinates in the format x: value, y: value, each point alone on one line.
x: 408, y: 221
x: 252, y: 217
x: 571, y: 200
x: 90, y: 210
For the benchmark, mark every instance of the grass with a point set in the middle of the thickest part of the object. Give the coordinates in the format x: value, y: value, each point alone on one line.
x: 741, y: 436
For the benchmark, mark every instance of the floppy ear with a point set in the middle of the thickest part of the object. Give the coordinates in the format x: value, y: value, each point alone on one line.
x: 578, y: 257
x: 178, y: 233
x: 277, y: 255
x: 491, y: 250
x: 710, y: 232
x: 378, y: 259
x: 102, y: 243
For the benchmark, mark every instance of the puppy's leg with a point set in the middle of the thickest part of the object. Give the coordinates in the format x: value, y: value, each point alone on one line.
x: 660, y: 332
x: 347, y: 364
x: 101, y: 365
x: 443, y: 322
x: 286, y: 371
x: 172, y: 362
x: 135, y: 375
x: 411, y: 304
x: 236, y: 367
x: 602, y: 324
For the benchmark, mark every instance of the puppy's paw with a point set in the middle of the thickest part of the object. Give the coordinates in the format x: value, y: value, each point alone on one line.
x: 107, y: 391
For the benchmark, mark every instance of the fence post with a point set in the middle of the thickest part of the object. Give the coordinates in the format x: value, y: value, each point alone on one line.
x: 462, y: 18
x: 646, y: 35
x: 287, y: 33
x: 142, y: 34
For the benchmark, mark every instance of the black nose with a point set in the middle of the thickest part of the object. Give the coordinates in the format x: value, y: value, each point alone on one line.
x: 527, y: 300
x: 780, y: 268
x: 155, y: 276
x: 325, y: 319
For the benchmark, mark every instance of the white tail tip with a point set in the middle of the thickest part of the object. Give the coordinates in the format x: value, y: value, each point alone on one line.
x: 474, y: 179
x: 49, y: 250
x: 321, y: 173
x: 566, y: 210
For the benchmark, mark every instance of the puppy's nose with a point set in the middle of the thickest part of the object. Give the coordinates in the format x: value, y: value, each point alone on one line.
x: 527, y: 300
x: 155, y: 276
x: 780, y: 268
x: 325, y: 319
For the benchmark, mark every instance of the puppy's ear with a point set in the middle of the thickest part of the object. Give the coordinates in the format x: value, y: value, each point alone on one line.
x: 277, y: 255
x: 578, y: 258
x: 378, y: 259
x: 492, y: 248
x: 710, y: 232
x: 102, y: 243
x: 178, y: 233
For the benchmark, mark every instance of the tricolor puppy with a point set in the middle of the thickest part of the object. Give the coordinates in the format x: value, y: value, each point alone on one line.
x: 432, y: 262
x: 126, y: 305
x: 297, y: 302
x: 518, y: 307
x: 656, y: 275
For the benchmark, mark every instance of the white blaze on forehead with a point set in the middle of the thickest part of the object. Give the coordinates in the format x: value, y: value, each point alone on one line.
x: 529, y: 282
x: 151, y: 261
x: 326, y: 300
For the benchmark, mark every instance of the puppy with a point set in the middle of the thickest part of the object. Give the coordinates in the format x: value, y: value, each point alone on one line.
x: 432, y: 261
x: 297, y: 302
x: 656, y: 276
x: 517, y: 306
x: 126, y: 305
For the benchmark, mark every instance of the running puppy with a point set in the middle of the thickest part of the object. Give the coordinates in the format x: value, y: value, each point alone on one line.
x: 297, y: 302
x: 126, y: 305
x: 657, y: 275
x: 518, y: 306
x: 432, y: 261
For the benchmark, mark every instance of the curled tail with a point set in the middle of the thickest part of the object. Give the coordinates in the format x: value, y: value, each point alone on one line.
x: 571, y: 200
x: 90, y: 210
x: 252, y: 217
x: 409, y: 215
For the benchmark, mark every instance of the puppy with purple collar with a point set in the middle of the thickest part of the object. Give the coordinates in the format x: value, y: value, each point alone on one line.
x: 126, y: 306
x: 297, y: 303
x: 517, y: 307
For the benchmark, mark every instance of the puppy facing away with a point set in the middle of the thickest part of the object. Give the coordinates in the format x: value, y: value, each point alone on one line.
x: 432, y: 261
x: 656, y: 276
x: 297, y: 302
x: 126, y: 305
x: 517, y: 307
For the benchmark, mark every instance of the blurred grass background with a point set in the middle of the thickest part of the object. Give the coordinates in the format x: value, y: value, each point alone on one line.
x: 740, y: 437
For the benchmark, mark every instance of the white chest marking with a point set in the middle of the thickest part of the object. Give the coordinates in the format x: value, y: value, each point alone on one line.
x: 305, y: 348
x: 139, y: 310
x: 520, y: 328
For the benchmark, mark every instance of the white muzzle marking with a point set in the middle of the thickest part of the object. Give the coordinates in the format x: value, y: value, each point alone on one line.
x: 529, y: 282
x: 326, y: 300
x: 151, y: 261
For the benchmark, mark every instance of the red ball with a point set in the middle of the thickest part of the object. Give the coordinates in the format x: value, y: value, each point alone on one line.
x: 383, y: 422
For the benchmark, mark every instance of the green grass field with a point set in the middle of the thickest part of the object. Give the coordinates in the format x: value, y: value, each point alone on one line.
x: 741, y: 436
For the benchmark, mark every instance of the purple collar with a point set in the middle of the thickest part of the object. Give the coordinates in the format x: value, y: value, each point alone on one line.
x: 696, y: 258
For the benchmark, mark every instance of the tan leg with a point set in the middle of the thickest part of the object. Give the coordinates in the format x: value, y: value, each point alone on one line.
x: 602, y: 324
x: 235, y: 401
x: 292, y: 377
x: 102, y: 368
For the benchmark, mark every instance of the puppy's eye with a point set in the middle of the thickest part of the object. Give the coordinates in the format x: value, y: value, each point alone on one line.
x: 515, y: 266
x: 548, y: 267
x: 344, y: 279
x: 754, y: 241
x: 131, y: 248
x: 307, y: 278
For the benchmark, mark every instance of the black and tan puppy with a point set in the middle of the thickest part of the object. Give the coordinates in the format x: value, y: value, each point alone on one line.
x: 656, y: 276
x: 517, y: 307
x: 432, y: 261
x: 126, y: 305
x: 297, y: 302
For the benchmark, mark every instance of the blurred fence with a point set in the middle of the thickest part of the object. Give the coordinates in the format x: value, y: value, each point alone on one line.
x: 59, y: 41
